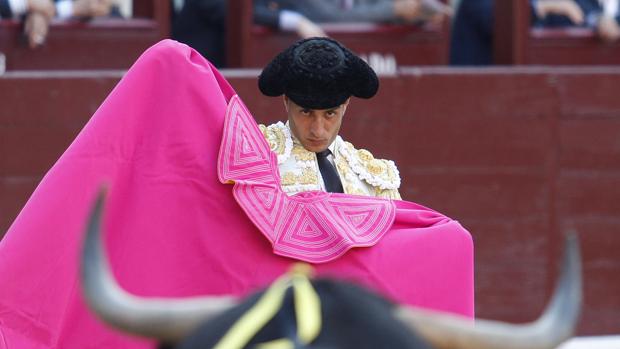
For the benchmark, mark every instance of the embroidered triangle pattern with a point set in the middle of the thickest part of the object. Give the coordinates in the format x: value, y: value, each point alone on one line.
x: 309, y: 233
x: 266, y: 196
x: 359, y: 219
x: 264, y: 205
x: 367, y: 215
x: 307, y: 230
x: 244, y: 153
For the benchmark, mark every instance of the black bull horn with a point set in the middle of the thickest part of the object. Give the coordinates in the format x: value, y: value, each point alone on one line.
x: 170, y: 320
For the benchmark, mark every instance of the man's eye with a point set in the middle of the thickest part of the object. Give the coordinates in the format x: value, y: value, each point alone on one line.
x: 305, y: 111
x: 331, y: 113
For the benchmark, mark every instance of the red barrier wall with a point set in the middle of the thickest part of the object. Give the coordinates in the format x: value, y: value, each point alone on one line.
x: 517, y: 155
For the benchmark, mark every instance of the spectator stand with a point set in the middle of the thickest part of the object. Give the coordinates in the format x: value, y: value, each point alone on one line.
x: 384, y: 46
x: 516, y: 42
x: 102, y: 43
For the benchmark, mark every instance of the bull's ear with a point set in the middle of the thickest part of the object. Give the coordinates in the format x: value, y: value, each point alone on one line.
x: 165, y: 319
x: 554, y: 326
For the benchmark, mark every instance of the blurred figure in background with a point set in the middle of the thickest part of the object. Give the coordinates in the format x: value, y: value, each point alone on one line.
x: 472, y: 31
x: 201, y: 23
x: 38, y: 14
x: 285, y: 14
x: 603, y: 15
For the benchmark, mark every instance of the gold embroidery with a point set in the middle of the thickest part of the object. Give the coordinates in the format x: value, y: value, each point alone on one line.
x: 376, y: 167
x: 301, y: 154
x: 276, y: 138
x: 342, y: 166
x: 365, y: 155
x: 280, y: 140
x: 351, y: 189
x: 387, y: 193
x: 376, y: 172
x: 288, y: 179
x: 390, y: 174
x: 348, y: 178
x: 265, y: 132
x: 307, y: 176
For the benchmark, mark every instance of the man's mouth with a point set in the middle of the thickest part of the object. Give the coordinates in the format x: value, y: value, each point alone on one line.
x: 316, y: 141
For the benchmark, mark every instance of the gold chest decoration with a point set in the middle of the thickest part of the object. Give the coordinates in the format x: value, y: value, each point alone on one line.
x: 359, y: 171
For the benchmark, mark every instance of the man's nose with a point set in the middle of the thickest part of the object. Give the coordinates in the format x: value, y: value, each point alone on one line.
x: 316, y: 127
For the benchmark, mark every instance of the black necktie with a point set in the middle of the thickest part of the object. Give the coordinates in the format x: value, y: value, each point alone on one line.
x: 328, y: 172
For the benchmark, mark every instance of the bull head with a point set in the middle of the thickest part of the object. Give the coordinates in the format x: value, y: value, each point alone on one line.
x: 171, y: 320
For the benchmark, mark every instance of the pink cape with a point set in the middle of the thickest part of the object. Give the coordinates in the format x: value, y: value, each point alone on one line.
x: 173, y: 229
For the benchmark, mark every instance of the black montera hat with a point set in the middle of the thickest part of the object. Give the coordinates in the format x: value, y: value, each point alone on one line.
x: 318, y: 73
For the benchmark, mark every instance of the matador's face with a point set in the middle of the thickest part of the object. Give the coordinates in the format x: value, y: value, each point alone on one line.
x: 315, y: 129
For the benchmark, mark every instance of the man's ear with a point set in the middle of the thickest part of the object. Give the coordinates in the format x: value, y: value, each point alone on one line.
x: 285, y: 100
x: 345, y: 105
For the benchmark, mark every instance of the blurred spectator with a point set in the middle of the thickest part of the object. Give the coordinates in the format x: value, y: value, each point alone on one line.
x: 286, y: 14
x: 472, y: 30
x: 62, y: 9
x: 603, y: 15
x: 124, y: 8
x: 86, y: 8
x: 39, y: 13
x: 201, y: 23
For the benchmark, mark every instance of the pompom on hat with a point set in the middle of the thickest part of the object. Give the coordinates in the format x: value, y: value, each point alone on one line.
x: 318, y: 73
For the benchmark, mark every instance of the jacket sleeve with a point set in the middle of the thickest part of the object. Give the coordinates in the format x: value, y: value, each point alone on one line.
x: 267, y: 12
x: 591, y: 11
x: 362, y: 11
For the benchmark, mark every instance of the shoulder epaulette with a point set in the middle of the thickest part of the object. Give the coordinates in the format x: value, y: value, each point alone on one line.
x: 279, y: 138
x: 379, y: 173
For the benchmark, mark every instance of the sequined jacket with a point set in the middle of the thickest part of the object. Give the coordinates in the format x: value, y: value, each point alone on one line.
x: 359, y: 171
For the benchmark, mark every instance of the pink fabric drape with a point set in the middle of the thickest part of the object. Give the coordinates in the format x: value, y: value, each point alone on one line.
x: 172, y: 229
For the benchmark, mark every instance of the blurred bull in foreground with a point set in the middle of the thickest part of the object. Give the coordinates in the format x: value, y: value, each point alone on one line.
x: 296, y: 312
